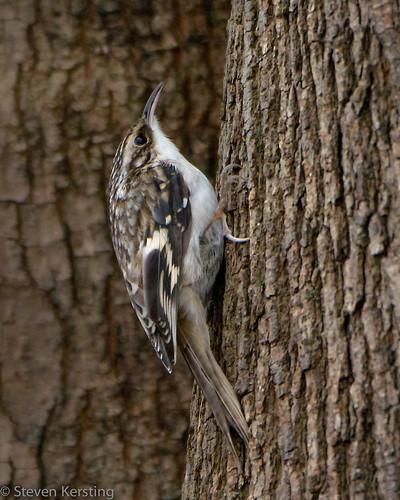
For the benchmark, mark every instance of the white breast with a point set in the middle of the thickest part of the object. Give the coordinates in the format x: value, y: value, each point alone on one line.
x: 203, y: 258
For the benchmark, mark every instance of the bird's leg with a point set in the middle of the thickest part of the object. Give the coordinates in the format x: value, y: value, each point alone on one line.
x: 219, y: 213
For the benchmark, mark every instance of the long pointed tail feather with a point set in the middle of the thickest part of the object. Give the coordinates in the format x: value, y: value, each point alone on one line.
x: 194, y: 345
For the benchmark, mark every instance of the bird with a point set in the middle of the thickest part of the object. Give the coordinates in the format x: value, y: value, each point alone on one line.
x: 167, y: 230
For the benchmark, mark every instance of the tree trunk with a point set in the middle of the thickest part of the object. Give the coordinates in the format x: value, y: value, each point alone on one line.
x: 311, y: 305
x: 84, y: 399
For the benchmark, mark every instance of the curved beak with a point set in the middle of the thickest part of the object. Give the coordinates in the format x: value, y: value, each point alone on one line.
x: 150, y: 108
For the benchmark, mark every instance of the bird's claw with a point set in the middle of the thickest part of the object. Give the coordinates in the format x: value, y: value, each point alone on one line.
x: 226, y: 181
x: 219, y: 213
x: 228, y: 235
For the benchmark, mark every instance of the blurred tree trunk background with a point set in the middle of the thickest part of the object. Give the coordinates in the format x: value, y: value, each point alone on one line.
x: 306, y: 320
x: 311, y: 310
x: 84, y: 400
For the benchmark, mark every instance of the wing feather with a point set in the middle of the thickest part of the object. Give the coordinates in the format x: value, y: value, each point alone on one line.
x: 166, y: 230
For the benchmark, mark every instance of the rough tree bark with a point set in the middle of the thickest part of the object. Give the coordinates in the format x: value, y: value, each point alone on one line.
x: 311, y: 309
x: 84, y: 400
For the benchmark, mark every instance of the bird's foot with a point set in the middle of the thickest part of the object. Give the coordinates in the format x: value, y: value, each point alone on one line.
x: 219, y: 213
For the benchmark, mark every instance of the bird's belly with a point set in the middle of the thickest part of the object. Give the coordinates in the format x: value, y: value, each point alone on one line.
x: 203, y: 259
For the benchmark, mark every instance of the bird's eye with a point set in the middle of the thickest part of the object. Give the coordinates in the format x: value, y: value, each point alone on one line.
x: 140, y: 140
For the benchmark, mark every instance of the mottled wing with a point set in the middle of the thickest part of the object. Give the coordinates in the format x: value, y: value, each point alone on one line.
x: 164, y: 242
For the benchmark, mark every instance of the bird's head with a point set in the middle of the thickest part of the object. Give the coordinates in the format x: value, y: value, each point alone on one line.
x: 145, y: 142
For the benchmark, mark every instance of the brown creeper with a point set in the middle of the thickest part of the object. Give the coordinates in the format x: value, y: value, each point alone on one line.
x: 169, y: 244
